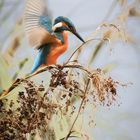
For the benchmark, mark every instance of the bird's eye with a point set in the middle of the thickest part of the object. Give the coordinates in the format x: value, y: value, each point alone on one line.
x: 58, y: 29
x: 61, y: 29
x: 72, y: 28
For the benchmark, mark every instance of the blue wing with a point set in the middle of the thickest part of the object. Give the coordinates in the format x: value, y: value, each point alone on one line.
x: 38, y: 29
x: 38, y: 25
x: 41, y: 57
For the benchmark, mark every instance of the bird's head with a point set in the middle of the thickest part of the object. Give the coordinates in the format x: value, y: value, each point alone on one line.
x: 64, y: 24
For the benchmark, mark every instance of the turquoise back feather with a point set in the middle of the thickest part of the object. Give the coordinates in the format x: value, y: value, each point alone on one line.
x: 46, y: 23
x: 41, y: 57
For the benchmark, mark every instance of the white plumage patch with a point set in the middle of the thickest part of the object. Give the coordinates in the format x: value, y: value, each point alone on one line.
x: 34, y: 32
x: 60, y: 24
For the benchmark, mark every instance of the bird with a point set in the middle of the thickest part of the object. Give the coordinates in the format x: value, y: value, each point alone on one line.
x: 49, y: 37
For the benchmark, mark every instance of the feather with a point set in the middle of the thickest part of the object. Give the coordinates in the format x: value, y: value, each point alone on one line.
x: 38, y: 26
x: 41, y: 57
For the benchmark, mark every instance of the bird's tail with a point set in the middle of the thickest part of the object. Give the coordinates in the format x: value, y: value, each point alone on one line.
x: 41, y: 57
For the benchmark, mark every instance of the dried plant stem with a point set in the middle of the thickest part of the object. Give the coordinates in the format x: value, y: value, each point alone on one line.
x: 79, y: 110
x: 111, y: 9
x: 19, y: 81
x: 82, y: 46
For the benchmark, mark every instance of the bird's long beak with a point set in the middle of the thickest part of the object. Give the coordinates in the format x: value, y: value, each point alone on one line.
x: 76, y: 34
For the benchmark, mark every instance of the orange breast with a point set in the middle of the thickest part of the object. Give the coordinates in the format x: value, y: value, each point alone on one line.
x: 57, y: 49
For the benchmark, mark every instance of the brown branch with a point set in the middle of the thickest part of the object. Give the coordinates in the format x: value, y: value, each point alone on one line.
x: 40, y: 70
x: 82, y: 46
x: 19, y: 81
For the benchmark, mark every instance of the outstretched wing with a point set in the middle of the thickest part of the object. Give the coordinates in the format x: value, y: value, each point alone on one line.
x: 38, y: 25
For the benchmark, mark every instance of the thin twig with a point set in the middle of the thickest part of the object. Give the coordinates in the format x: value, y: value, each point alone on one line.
x: 82, y: 46
x: 111, y: 9
x: 83, y: 99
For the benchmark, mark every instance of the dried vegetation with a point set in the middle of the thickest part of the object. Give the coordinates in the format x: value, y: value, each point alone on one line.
x: 72, y: 86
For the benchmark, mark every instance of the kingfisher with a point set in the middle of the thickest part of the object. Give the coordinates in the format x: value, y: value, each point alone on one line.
x: 49, y: 37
